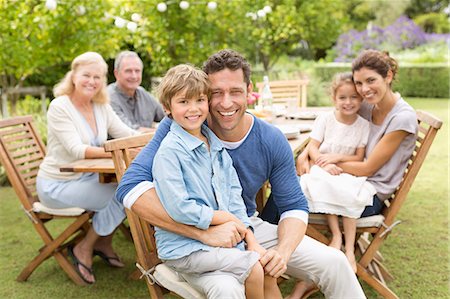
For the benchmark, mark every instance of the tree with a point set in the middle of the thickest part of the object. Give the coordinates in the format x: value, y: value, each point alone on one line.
x: 35, y: 38
x: 190, y: 35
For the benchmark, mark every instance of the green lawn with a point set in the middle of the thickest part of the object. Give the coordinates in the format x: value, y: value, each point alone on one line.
x: 416, y: 252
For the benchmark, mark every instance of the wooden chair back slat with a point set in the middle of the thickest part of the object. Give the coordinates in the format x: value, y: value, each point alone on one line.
x: 283, y: 91
x: 28, y: 158
x: 22, y: 136
x: 22, y: 153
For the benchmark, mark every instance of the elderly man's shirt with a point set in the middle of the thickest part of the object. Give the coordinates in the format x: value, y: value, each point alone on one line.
x: 141, y: 110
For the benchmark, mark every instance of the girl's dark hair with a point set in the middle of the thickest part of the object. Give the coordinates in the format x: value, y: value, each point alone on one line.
x: 377, y: 61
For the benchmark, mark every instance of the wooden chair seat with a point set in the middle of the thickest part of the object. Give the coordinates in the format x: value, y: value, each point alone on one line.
x: 160, y: 279
x: 21, y: 153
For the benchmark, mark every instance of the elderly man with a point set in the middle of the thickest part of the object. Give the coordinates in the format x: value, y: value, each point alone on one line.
x: 132, y: 103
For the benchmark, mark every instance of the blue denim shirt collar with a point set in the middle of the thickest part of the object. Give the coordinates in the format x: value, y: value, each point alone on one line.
x: 191, y: 142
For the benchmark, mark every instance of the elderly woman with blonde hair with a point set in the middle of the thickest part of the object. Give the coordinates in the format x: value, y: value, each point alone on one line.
x: 79, y: 121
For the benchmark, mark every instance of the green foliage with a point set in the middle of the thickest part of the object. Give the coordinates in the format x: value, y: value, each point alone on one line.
x: 433, y: 22
x: 426, y: 80
x: 35, y: 39
x: 418, y: 7
x: 435, y: 52
x: 178, y: 36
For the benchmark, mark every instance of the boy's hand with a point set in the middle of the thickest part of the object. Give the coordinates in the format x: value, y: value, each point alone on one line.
x: 226, y: 235
x: 257, y: 248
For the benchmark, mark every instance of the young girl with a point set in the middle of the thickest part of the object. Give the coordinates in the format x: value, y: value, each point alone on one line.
x: 339, y: 136
x: 197, y: 185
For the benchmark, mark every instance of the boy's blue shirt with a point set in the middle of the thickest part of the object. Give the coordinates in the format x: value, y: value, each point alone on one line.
x: 264, y: 155
x: 192, y: 182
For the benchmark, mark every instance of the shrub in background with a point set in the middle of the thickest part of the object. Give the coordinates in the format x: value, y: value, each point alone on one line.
x: 433, y: 22
x: 431, y: 81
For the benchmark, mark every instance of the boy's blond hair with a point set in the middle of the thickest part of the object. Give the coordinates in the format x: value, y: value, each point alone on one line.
x: 179, y: 78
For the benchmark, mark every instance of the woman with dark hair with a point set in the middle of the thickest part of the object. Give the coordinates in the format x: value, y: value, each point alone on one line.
x: 393, y: 130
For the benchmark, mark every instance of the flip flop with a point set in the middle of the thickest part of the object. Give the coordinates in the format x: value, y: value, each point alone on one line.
x: 76, y: 262
x: 108, y: 259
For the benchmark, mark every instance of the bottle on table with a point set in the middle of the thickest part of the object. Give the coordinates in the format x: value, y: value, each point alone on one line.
x: 266, y: 99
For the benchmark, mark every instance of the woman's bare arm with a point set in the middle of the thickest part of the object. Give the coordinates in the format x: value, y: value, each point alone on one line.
x: 383, y: 151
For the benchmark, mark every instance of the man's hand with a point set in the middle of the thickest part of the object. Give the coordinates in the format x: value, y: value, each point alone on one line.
x: 226, y: 235
x: 274, y: 263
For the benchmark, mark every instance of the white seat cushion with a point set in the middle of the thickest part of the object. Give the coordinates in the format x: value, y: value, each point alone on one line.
x: 39, y: 207
x: 170, y: 279
x: 371, y: 221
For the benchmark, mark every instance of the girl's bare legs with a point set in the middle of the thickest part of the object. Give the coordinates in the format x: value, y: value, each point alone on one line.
x: 349, y: 235
x: 301, y: 288
x: 271, y: 289
x: 333, y: 223
x: 254, y: 284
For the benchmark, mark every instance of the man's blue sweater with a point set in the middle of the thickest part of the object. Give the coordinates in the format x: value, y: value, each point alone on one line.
x: 264, y: 155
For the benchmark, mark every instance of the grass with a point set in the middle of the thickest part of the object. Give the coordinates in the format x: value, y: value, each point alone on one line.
x: 416, y: 252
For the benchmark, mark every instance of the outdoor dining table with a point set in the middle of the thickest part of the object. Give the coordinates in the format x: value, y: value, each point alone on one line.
x: 105, y: 166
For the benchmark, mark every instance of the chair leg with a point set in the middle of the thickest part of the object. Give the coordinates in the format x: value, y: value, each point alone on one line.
x: 315, y: 234
x: 52, y: 248
x: 381, y: 288
x: 126, y: 231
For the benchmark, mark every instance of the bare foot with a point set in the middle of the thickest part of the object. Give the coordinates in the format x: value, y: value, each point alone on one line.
x: 336, y: 242
x: 108, y: 255
x: 351, y: 259
x: 301, y: 289
x: 83, y: 262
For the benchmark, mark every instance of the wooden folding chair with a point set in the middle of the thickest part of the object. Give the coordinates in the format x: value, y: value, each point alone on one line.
x: 378, y: 227
x: 283, y: 91
x: 160, y: 279
x: 21, y: 153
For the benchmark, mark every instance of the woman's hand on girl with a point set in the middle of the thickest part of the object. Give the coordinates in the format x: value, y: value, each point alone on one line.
x: 333, y: 169
x: 325, y: 159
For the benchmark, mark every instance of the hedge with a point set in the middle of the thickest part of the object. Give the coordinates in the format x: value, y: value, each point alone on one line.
x: 413, y: 80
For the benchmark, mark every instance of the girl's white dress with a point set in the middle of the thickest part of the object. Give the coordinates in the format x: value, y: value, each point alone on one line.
x: 344, y: 194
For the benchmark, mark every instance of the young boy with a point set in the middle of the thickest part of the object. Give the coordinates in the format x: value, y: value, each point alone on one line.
x: 197, y: 185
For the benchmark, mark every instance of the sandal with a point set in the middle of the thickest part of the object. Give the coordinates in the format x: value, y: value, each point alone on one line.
x: 108, y: 259
x: 76, y: 262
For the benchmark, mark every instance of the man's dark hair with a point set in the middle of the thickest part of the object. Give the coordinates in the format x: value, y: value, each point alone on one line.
x: 229, y: 59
